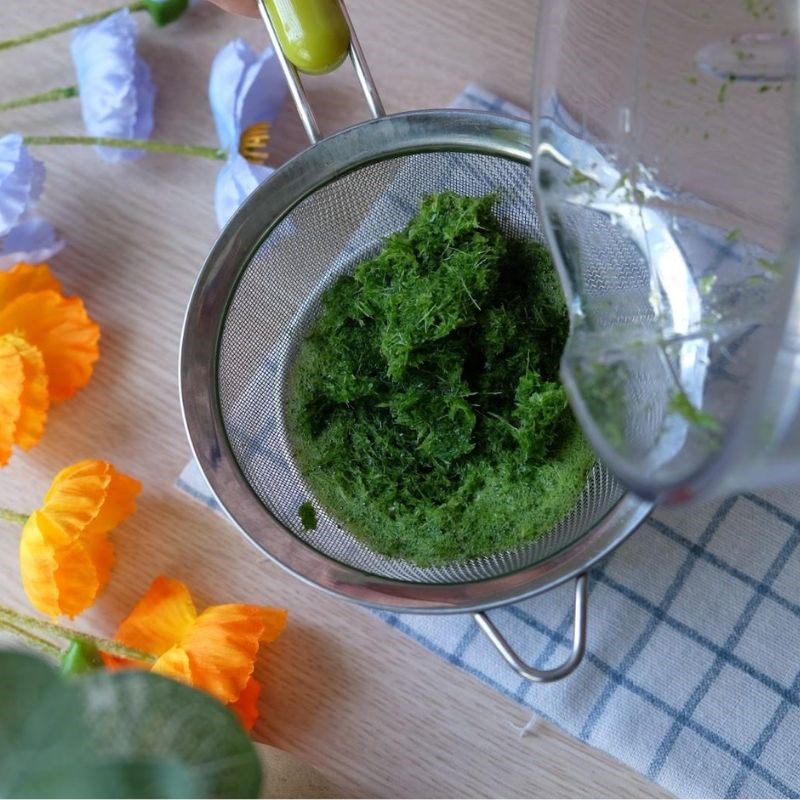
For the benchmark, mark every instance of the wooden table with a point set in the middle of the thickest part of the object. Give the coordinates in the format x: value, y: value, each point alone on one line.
x: 377, y: 712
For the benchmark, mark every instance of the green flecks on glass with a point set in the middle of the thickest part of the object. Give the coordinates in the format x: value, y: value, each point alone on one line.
x: 308, y: 516
x: 764, y: 88
x: 577, y: 177
x: 773, y: 266
x: 722, y: 94
x: 706, y: 284
x: 759, y: 8
x: 692, y: 79
x: 706, y: 136
x: 733, y: 235
x: 681, y: 404
x: 626, y: 183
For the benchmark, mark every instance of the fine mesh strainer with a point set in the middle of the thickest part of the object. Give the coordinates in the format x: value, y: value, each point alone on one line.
x: 316, y: 218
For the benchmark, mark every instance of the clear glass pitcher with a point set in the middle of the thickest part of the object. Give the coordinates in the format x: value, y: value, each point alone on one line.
x: 665, y: 159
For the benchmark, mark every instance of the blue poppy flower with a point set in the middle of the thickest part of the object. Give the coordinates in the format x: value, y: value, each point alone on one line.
x: 245, y: 91
x: 116, y: 90
x: 22, y: 237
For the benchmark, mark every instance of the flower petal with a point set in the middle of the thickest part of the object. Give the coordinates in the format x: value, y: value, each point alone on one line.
x: 116, y: 90
x: 33, y: 240
x: 91, y: 497
x: 77, y: 577
x: 244, y: 88
x: 22, y: 278
x: 62, y: 330
x: 119, y: 504
x: 35, y: 398
x: 175, y: 664
x: 21, y: 181
x: 12, y: 383
x: 235, y: 181
x: 23, y: 403
x: 160, y: 619
x: 65, y: 554
x: 262, y: 92
x: 246, y: 705
x: 77, y: 494
x: 224, y: 85
x: 41, y: 539
x: 223, y: 643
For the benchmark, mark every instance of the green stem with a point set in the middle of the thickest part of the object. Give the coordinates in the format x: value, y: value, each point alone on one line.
x: 88, y: 19
x: 36, y: 642
x: 114, y: 648
x: 214, y: 153
x: 44, y: 97
x: 13, y: 516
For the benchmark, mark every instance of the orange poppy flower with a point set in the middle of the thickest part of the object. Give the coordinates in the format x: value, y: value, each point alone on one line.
x: 24, y: 278
x: 65, y: 554
x: 31, y: 304
x: 24, y: 396
x: 215, y: 650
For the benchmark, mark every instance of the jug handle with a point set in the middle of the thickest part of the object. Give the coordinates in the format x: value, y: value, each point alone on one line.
x: 317, y: 35
x: 578, y: 640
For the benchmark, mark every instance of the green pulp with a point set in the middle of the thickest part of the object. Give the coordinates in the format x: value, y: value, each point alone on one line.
x: 425, y: 408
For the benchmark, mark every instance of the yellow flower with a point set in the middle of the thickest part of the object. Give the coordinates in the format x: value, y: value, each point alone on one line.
x: 65, y: 554
x: 24, y: 396
x: 32, y: 306
x: 215, y: 650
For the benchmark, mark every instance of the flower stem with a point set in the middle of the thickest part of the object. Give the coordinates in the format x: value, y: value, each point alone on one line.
x: 44, y: 97
x: 214, y: 153
x: 42, y: 645
x: 13, y: 516
x: 114, y: 648
x: 87, y: 19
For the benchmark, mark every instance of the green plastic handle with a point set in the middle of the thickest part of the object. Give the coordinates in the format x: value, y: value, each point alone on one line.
x: 313, y: 34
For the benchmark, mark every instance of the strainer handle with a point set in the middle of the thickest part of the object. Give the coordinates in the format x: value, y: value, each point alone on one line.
x: 578, y: 640
x: 353, y: 49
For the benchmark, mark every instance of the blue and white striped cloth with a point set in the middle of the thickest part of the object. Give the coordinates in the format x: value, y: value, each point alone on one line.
x: 692, y: 672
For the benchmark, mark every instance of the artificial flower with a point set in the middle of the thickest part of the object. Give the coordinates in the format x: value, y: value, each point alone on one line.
x: 22, y: 236
x: 24, y: 398
x: 246, y: 92
x: 31, y: 305
x: 65, y: 554
x: 215, y: 650
x: 116, y: 90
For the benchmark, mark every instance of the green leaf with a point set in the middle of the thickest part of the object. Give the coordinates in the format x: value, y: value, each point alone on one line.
x: 123, y: 734
x: 41, y: 723
x: 135, y: 714
x: 131, y: 778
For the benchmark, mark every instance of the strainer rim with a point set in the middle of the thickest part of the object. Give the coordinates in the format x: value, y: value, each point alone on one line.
x: 485, y: 133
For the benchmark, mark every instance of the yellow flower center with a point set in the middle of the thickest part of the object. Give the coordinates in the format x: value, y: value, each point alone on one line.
x: 253, y: 143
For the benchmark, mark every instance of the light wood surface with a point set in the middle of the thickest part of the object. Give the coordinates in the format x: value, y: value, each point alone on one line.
x: 375, y: 711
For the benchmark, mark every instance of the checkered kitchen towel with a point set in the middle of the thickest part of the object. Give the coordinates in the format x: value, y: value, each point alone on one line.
x: 692, y: 672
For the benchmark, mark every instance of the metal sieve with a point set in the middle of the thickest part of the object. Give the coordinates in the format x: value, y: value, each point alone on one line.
x: 315, y: 218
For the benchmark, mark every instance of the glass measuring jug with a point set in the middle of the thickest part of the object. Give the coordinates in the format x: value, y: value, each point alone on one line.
x: 664, y: 153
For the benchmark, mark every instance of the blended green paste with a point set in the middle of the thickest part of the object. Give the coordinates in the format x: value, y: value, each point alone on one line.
x: 425, y: 407
x: 308, y: 517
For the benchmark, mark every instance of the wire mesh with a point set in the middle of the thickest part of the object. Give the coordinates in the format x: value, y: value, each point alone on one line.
x: 278, y: 297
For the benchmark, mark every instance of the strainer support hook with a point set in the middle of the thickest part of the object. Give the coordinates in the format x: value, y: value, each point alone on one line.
x: 578, y: 640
